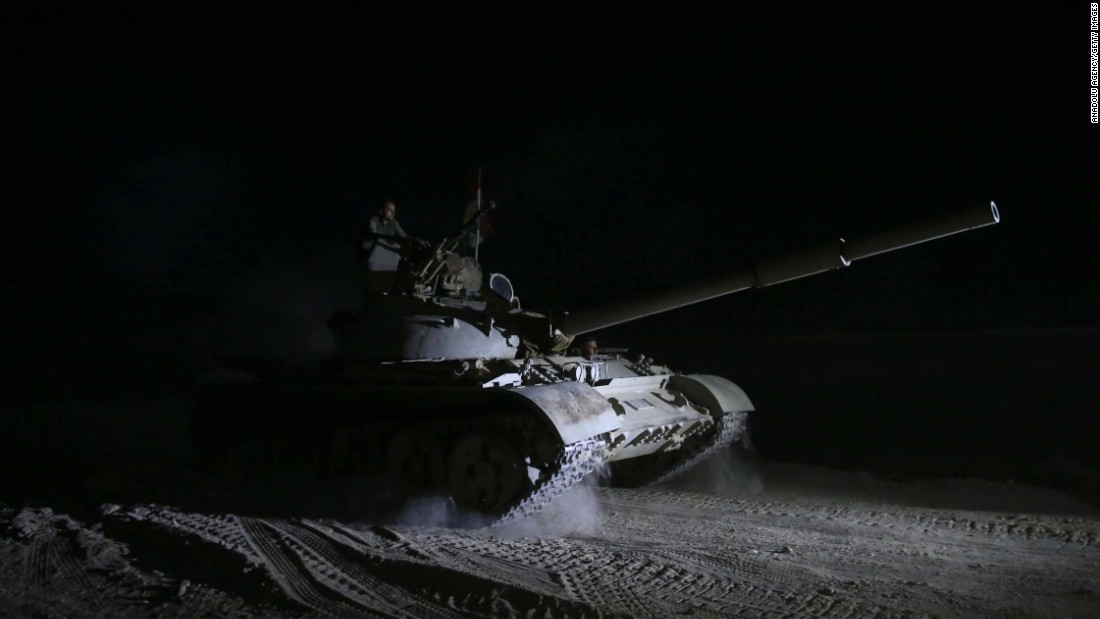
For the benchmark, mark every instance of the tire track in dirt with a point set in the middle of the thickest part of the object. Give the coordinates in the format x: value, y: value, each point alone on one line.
x: 340, y: 573
x: 945, y: 547
x: 664, y: 574
x: 659, y: 552
x: 1074, y: 530
x: 42, y: 553
x: 287, y: 574
x: 52, y: 545
x: 246, y: 538
x: 551, y: 565
x: 480, y: 582
x: 225, y: 530
x: 640, y: 583
x: 348, y: 577
x: 54, y: 566
x: 35, y: 572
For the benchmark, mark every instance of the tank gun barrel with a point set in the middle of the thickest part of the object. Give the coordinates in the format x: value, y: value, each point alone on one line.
x: 768, y: 272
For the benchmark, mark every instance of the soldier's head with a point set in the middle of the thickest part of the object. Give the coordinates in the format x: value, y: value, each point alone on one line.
x: 387, y: 210
x: 588, y: 347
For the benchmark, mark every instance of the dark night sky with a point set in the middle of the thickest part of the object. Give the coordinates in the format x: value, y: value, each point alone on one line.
x: 183, y: 185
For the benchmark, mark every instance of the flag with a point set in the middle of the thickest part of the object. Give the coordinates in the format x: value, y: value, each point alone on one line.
x: 484, y: 228
x: 477, y: 233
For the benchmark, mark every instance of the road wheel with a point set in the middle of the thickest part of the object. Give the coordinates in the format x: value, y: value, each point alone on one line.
x: 352, y: 450
x: 414, y: 463
x: 486, y: 473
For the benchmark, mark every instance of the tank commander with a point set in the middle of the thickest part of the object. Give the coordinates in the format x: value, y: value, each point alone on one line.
x: 381, y: 244
x: 382, y: 228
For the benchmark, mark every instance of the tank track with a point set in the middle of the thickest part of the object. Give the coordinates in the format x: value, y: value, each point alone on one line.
x: 571, y: 464
x: 731, y: 427
x: 576, y: 462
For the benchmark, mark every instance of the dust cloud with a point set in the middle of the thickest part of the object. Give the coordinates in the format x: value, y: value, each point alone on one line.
x: 437, y: 511
x: 734, y: 472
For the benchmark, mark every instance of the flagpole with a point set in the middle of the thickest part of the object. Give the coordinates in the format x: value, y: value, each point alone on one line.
x: 477, y: 209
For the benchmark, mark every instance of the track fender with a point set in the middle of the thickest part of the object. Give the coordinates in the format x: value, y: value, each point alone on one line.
x: 717, y: 394
x: 576, y: 410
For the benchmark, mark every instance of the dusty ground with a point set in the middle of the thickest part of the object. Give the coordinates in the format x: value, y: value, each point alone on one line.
x: 775, y: 540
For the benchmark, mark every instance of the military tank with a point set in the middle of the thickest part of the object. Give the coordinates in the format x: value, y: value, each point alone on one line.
x: 443, y: 384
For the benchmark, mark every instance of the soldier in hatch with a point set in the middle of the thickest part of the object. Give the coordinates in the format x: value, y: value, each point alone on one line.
x: 588, y: 347
x: 382, y: 228
x: 381, y: 242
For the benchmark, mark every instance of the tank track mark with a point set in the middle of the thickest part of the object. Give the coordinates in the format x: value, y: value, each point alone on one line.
x: 577, y: 461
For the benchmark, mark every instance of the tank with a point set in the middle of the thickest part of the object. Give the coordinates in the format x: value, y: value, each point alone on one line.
x: 444, y: 385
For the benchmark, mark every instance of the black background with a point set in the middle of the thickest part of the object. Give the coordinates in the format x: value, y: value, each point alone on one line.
x: 185, y: 184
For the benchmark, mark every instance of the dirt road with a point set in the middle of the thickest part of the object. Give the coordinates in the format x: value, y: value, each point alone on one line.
x: 781, y: 540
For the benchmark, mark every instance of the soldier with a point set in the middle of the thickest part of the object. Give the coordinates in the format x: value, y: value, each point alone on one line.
x: 384, y: 223
x: 381, y: 241
x: 588, y: 347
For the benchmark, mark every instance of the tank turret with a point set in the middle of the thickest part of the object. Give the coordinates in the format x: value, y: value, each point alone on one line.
x: 443, y: 308
x: 443, y: 384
